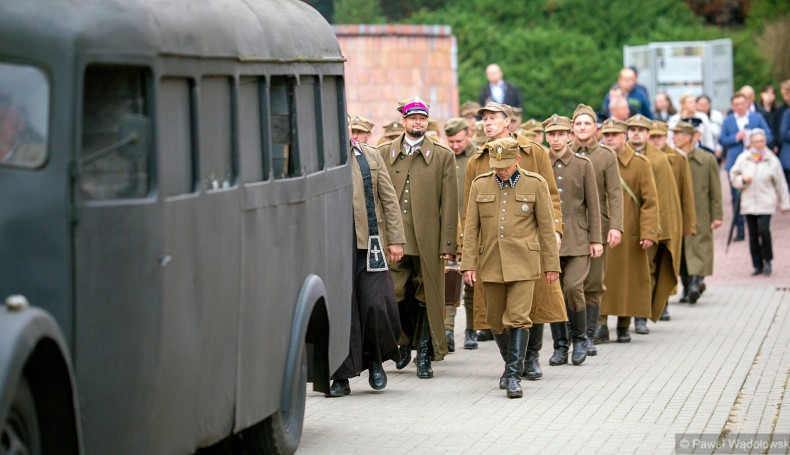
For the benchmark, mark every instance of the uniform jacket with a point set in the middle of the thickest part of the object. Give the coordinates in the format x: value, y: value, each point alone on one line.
x: 682, y: 173
x: 387, y: 207
x: 435, y: 215
x: 581, y: 214
x: 514, y: 227
x: 698, y: 249
x: 607, y: 177
x: 768, y: 189
x: 729, y: 129
x: 460, y: 172
x: 627, y: 277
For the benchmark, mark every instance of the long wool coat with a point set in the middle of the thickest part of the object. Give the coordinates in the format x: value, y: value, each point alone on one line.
x: 435, y: 216
x: 627, y: 268
x: 698, y: 249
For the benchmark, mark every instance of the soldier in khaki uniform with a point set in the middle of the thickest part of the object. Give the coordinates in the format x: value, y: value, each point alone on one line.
x: 627, y: 268
x: 682, y: 174
x: 664, y: 257
x: 516, y: 119
x: 698, y: 249
x: 510, y: 216
x: 361, y: 129
x: 532, y: 129
x: 581, y: 218
x: 468, y: 111
x: 610, y: 196
x: 548, y: 304
x: 423, y: 174
x: 391, y: 131
x: 456, y: 130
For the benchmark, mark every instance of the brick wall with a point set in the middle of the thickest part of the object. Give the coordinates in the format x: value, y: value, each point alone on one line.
x: 387, y: 63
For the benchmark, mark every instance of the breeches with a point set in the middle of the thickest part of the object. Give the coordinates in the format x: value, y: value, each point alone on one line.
x: 574, y: 272
x: 508, y: 304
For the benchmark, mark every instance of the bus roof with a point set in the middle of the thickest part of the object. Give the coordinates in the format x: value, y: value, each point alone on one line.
x: 251, y: 30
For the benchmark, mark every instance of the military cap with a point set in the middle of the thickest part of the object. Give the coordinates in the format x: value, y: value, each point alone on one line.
x: 393, y: 129
x: 496, y: 107
x: 639, y: 121
x: 658, y: 128
x: 479, y: 138
x: 557, y: 123
x: 613, y: 126
x: 585, y: 109
x: 531, y: 135
x: 361, y: 124
x: 683, y: 127
x: 413, y: 106
x: 517, y: 111
x: 454, y: 126
x: 532, y: 125
x: 469, y: 108
x: 502, y: 152
x: 433, y: 125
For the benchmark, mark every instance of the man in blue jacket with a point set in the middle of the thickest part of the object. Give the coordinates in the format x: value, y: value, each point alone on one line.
x: 734, y: 132
x: 638, y: 102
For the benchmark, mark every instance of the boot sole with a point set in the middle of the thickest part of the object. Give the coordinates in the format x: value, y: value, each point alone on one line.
x: 693, y: 297
x: 623, y: 340
x: 533, y: 378
x: 579, y: 362
x: 519, y: 394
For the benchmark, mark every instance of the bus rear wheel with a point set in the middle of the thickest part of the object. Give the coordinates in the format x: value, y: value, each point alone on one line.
x: 20, y: 434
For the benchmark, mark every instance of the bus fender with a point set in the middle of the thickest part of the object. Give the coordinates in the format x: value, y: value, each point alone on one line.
x: 312, y: 291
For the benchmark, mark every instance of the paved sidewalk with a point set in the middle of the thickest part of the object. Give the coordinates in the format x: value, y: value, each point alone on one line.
x: 719, y: 367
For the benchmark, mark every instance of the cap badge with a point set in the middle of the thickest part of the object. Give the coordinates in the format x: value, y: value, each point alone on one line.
x: 554, y: 118
x: 499, y: 153
x: 638, y: 117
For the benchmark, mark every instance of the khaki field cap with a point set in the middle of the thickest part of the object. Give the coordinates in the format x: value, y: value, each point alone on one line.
x: 433, y: 125
x: 683, y: 127
x: 532, y: 125
x: 557, y: 123
x: 639, y: 121
x: 585, y: 109
x: 517, y: 111
x: 496, y: 107
x: 469, y: 109
x: 454, y: 126
x: 658, y: 128
x: 613, y: 126
x: 502, y: 152
x: 393, y: 129
x: 361, y: 124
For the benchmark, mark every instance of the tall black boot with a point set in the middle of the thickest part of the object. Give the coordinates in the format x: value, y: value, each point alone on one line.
x: 592, y: 321
x: 578, y: 320
x: 503, y: 343
x: 640, y: 326
x: 684, y: 279
x: 405, y: 356
x: 519, y: 338
x: 559, y: 332
x: 532, y: 369
x: 424, y: 370
x: 694, y: 288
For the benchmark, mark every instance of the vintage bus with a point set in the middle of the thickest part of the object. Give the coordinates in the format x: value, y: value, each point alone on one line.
x: 175, y: 224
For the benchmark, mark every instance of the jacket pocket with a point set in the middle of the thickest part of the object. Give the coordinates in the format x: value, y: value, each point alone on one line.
x: 525, y: 204
x: 583, y: 224
x: 485, y: 205
x: 534, y: 258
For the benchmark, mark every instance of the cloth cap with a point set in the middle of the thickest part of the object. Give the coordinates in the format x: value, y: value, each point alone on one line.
x: 585, y: 109
x: 469, y: 109
x: 414, y: 106
x: 639, y: 121
x: 454, y: 126
x: 557, y: 123
x: 502, y: 152
x: 658, y: 128
x: 361, y: 124
x: 517, y: 111
x: 496, y: 107
x: 393, y: 129
x: 532, y: 125
x: 613, y: 126
x: 433, y: 125
x: 683, y: 127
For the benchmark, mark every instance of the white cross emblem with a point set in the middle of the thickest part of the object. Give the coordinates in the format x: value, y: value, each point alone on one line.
x: 376, y: 251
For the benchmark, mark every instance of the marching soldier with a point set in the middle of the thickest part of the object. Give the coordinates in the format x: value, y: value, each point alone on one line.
x: 581, y: 218
x: 361, y: 129
x: 627, y: 266
x: 468, y: 111
x: 456, y: 130
x: 610, y: 197
x: 664, y: 257
x: 423, y: 174
x: 516, y: 119
x: 510, y: 231
x: 682, y: 173
x: 391, y: 131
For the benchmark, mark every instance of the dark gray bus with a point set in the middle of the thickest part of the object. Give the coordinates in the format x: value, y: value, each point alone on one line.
x: 175, y: 224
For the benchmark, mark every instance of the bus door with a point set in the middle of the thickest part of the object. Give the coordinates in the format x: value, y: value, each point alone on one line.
x: 118, y: 260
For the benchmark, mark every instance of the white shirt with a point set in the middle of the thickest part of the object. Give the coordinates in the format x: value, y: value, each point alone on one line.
x: 498, y: 92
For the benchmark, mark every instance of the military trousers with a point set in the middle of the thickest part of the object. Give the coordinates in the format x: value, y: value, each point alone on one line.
x: 575, y: 270
x: 593, y: 284
x: 407, y: 270
x: 508, y: 304
x: 469, y: 305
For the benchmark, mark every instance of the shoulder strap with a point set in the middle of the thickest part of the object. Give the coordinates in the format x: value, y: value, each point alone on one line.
x: 631, y: 193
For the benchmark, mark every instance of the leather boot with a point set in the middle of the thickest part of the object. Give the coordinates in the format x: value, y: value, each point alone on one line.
x: 532, y: 369
x: 640, y: 326
x: 694, y: 288
x: 519, y: 338
x: 485, y: 335
x: 424, y: 370
x: 622, y: 335
x: 701, y: 281
x: 448, y: 333
x: 592, y: 321
x: 665, y: 314
x: 377, y: 377
x: 339, y: 388
x: 559, y: 332
x: 405, y: 356
x: 503, y: 343
x: 470, y: 339
x: 684, y: 297
x: 578, y: 322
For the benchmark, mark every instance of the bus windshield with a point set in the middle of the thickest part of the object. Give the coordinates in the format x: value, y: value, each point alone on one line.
x: 24, y: 114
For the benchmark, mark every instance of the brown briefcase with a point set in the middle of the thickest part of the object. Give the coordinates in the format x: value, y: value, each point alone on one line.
x: 453, y: 282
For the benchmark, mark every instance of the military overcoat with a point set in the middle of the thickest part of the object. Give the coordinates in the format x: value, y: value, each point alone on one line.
x: 682, y: 173
x: 698, y: 249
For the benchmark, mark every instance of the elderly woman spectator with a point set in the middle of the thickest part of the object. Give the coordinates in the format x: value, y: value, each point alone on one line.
x: 663, y: 107
x: 758, y: 174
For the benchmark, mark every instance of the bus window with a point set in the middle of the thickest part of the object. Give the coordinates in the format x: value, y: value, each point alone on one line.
x: 216, y: 124
x: 24, y: 113
x: 331, y: 115
x: 176, y: 125
x: 284, y: 146
x: 308, y: 120
x: 250, y: 149
x: 111, y: 95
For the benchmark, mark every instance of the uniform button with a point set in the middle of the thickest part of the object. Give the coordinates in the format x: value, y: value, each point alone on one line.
x: 397, y: 171
x: 560, y: 190
x: 505, y: 193
x: 407, y: 191
x: 584, y: 153
x: 407, y: 180
x: 501, y: 228
x: 501, y: 236
x: 503, y: 210
x: 404, y: 211
x: 503, y: 218
x: 448, y: 243
x: 559, y: 177
x: 504, y: 202
x: 577, y: 153
x: 556, y: 221
x: 559, y: 166
x: 401, y: 157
